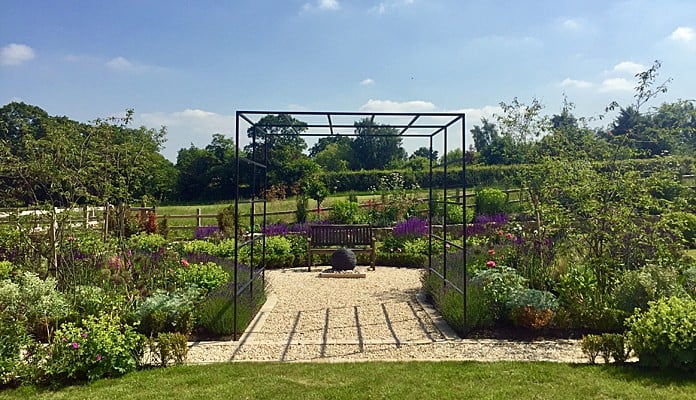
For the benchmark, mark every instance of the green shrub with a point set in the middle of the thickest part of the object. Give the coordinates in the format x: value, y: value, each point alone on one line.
x: 93, y: 300
x: 225, y: 220
x: 499, y: 284
x: 301, y: 207
x: 531, y: 308
x: 491, y: 201
x: 638, y: 287
x: 664, y: 336
x: 685, y: 223
x: 13, y: 339
x: 278, y: 253
x: 149, y: 242
x: 98, y: 347
x: 168, y: 348
x: 455, y: 215
x: 35, y: 302
x: 584, y: 304
x: 205, y: 276
x: 6, y: 269
x: 688, y: 280
x: 591, y: 346
x: 167, y: 312
x: 614, y: 347
x: 298, y: 248
x: 345, y: 212
x: 200, y: 247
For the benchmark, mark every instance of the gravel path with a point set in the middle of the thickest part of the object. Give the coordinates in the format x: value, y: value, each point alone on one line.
x: 380, y: 317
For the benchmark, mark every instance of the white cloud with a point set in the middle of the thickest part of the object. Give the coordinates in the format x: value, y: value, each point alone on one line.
x: 120, y: 63
x: 123, y: 64
x: 367, y: 82
x: 385, y: 6
x: 616, y: 85
x: 571, y: 24
x: 684, y: 34
x: 575, y: 83
x: 16, y: 54
x: 474, y: 115
x: 395, y: 106
x: 331, y: 5
x: 629, y: 67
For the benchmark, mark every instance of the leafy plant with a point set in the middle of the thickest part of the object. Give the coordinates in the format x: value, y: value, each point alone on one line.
x: 345, y: 212
x: 150, y: 242
x: 614, y: 347
x: 168, y: 348
x: 93, y: 300
x: 278, y: 252
x: 455, y: 215
x: 490, y: 201
x: 225, y: 220
x: 301, y: 208
x: 6, y: 268
x: 13, y: 339
x: 592, y: 346
x: 97, y: 347
x: 685, y: 223
x: 167, y: 312
x: 531, y: 308
x: 664, y: 336
x: 205, y: 276
x: 688, y: 280
x: 499, y: 283
x: 638, y: 287
x: 35, y: 302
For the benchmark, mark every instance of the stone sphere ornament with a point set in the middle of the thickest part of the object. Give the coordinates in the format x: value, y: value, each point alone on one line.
x: 343, y: 260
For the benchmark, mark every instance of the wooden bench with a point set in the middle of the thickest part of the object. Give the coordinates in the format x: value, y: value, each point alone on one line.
x: 325, y: 239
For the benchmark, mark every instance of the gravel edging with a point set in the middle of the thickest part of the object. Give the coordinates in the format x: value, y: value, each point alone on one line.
x: 382, y: 317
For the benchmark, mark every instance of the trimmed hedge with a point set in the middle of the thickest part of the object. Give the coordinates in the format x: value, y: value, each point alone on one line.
x: 485, y: 175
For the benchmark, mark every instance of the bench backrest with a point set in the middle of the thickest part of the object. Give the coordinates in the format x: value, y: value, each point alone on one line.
x: 334, y: 235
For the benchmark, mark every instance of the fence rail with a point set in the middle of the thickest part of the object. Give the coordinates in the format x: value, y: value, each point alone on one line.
x: 96, y: 217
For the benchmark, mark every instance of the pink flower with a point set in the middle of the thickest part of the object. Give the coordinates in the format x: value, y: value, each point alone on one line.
x: 184, y: 263
x: 64, y: 339
x: 84, y: 335
x: 491, y: 252
x: 75, y: 345
x: 500, y: 233
x: 98, y: 357
x: 398, y: 250
x: 490, y: 264
x: 509, y: 236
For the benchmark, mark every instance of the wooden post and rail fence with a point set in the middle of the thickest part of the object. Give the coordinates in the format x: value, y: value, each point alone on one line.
x: 92, y: 217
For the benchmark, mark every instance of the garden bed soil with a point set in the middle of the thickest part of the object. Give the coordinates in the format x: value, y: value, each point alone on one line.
x: 509, y: 332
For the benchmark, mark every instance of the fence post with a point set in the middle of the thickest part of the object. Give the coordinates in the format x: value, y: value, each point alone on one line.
x: 52, y: 238
x: 85, y: 216
x: 198, y: 217
x: 106, y: 220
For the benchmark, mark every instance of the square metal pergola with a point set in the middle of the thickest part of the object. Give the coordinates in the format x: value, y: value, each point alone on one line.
x: 436, y: 129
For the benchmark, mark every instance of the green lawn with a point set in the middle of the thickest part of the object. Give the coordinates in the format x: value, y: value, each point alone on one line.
x: 383, y: 380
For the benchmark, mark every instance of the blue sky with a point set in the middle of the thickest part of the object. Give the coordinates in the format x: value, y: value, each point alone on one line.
x: 189, y: 65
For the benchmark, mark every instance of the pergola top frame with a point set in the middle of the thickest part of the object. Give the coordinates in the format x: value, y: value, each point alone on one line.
x: 414, y: 124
